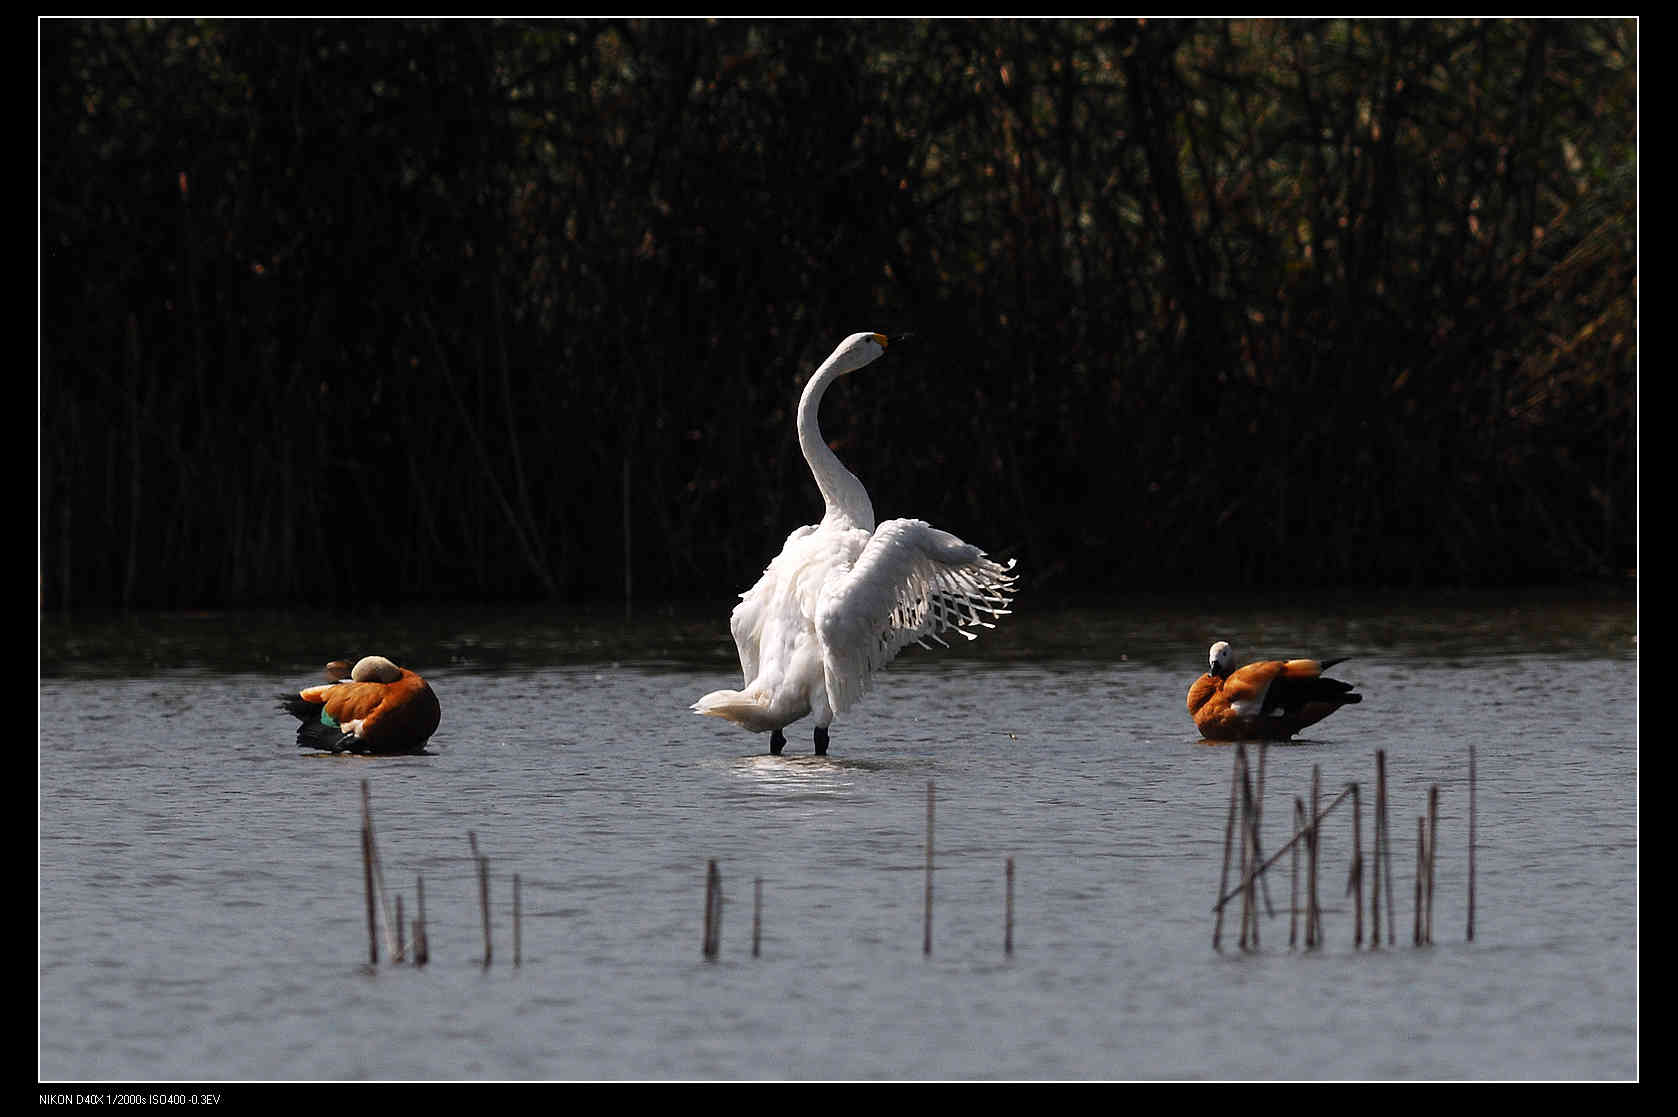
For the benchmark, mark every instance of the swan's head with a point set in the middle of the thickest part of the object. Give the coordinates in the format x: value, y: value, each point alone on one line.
x: 858, y: 350
x: 1220, y: 660
x: 375, y: 669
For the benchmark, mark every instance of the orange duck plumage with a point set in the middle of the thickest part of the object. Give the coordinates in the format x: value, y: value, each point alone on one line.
x: 376, y: 707
x: 1269, y: 700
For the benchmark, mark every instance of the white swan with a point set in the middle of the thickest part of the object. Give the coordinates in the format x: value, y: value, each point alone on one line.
x: 844, y: 597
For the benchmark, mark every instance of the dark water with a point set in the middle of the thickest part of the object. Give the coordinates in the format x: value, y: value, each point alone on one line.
x: 201, y: 901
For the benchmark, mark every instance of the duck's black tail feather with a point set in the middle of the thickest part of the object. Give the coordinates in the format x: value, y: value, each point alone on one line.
x: 312, y: 733
x: 324, y: 738
x: 1290, y: 694
x: 294, y: 705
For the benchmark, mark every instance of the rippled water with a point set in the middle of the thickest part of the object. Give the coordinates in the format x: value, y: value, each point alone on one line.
x: 201, y: 897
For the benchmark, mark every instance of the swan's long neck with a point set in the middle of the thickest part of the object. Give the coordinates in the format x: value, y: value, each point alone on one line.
x: 847, y: 501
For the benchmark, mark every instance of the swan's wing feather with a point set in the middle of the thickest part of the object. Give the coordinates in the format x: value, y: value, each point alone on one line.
x: 746, y: 626
x: 746, y: 623
x: 911, y: 583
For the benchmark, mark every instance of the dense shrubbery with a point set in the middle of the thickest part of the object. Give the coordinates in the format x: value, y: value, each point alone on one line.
x: 396, y: 309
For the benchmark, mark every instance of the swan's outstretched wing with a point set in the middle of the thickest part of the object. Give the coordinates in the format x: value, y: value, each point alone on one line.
x: 912, y: 583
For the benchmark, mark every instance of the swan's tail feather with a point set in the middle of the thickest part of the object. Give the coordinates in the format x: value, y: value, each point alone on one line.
x: 740, y: 707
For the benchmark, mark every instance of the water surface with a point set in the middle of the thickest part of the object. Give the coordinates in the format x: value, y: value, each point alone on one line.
x: 201, y: 901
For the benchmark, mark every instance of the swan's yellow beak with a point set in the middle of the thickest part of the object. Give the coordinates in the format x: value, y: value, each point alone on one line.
x: 881, y: 338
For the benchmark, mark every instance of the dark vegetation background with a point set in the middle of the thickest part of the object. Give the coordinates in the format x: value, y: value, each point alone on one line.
x: 401, y: 311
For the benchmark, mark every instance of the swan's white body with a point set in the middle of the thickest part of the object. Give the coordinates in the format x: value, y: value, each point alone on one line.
x: 844, y: 596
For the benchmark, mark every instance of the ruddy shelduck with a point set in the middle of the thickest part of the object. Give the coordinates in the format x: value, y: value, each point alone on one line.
x: 1269, y: 700
x: 376, y: 707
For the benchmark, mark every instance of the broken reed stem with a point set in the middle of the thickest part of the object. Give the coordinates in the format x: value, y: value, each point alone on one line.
x: 1246, y: 849
x: 1250, y: 855
x: 1375, y: 846
x: 367, y: 878
x: 1355, y: 885
x: 1258, y: 819
x: 1264, y: 882
x: 1421, y: 872
x: 926, y: 932
x: 1293, y: 874
x: 518, y: 946
x: 1311, y: 867
x: 1307, y: 832
x: 713, y: 911
x: 1471, y: 842
x: 378, y: 871
x: 422, y: 943
x: 483, y: 894
x: 1313, y: 912
x: 1254, y: 805
x: 1384, y: 856
x: 1277, y: 856
x: 1432, y: 850
x: 1229, y: 834
x: 1008, y: 910
x: 483, y: 898
x: 757, y: 916
x: 705, y: 925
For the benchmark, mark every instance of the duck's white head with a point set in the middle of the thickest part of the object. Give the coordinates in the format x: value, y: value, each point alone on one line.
x: 856, y: 351
x: 1220, y: 660
x: 375, y: 669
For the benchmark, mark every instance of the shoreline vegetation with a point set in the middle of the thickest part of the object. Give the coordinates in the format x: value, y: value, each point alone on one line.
x: 1169, y: 628
x: 396, y: 312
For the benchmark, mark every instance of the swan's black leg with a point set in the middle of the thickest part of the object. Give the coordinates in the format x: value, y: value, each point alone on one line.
x: 821, y: 741
x: 777, y: 742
